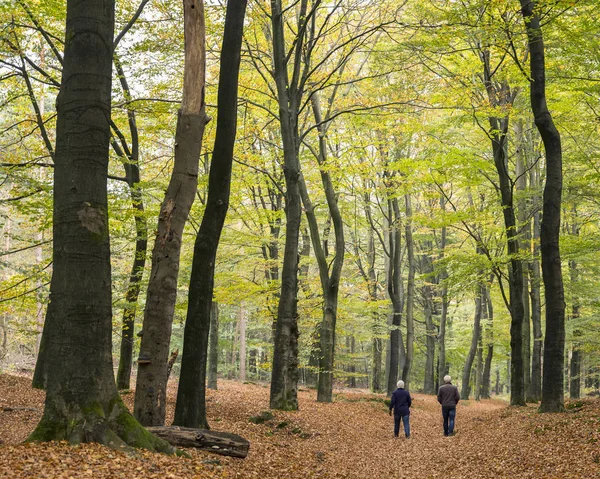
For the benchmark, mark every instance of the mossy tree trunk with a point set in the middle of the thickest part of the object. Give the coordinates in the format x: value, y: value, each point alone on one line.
x: 82, y: 402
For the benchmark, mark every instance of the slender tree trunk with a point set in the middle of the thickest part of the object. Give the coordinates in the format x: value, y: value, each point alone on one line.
x: 487, y: 368
x: 554, y: 343
x: 442, y: 366
x: 190, y: 409
x: 330, y: 280
x: 394, y: 282
x: 466, y: 375
x: 576, y: 354
x: 132, y: 174
x: 284, y: 378
x: 410, y: 295
x: 82, y: 402
x: 430, y: 336
x: 242, y: 325
x: 151, y: 385
x: 213, y: 346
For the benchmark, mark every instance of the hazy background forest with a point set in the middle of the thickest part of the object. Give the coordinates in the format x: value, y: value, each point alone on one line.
x: 401, y: 107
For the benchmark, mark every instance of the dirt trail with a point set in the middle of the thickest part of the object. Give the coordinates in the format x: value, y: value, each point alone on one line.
x: 350, y: 438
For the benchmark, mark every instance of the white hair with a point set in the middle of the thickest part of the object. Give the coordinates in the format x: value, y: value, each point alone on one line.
x: 447, y: 379
x: 400, y: 384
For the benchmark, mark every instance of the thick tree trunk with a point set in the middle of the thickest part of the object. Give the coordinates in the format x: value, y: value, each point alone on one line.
x: 466, y: 375
x: 213, y: 346
x: 410, y: 295
x: 151, y: 385
x: 82, y: 402
x: 554, y: 344
x: 190, y: 409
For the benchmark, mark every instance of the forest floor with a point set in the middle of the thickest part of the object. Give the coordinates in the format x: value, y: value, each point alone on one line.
x: 350, y: 438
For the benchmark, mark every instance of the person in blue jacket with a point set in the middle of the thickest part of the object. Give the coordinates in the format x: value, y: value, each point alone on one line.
x: 400, y: 404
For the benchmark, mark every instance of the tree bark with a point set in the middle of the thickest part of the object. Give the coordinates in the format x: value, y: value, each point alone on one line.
x: 554, y: 343
x: 501, y: 96
x: 466, y: 375
x: 82, y: 402
x: 487, y: 368
x: 190, y: 409
x: 284, y: 378
x: 242, y: 325
x: 223, y: 443
x: 535, y: 393
x: 410, y: 295
x: 213, y: 346
x: 161, y: 296
x: 394, y: 286
x: 132, y: 176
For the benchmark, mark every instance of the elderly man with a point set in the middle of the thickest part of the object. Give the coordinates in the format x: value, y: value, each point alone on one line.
x: 448, y: 397
x: 400, y: 404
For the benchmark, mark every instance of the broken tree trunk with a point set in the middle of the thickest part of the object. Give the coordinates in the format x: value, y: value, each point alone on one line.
x: 223, y: 443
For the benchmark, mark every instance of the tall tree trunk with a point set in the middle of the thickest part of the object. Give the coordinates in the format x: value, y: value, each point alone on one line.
x: 82, y: 402
x: 151, y: 385
x: 554, y: 343
x: 284, y: 377
x: 524, y: 228
x: 487, y: 368
x: 130, y: 157
x: 410, y: 294
x: 501, y: 96
x: 190, y: 409
x: 466, y: 375
x: 330, y: 280
x: 394, y: 286
x: 213, y: 346
x: 442, y: 366
x: 428, y: 312
x: 242, y: 325
x: 535, y: 393
x: 576, y: 353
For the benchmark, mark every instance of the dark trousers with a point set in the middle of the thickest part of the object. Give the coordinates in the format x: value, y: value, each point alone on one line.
x: 405, y: 421
x: 448, y: 413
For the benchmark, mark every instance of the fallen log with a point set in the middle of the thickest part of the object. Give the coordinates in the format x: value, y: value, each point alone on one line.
x: 223, y: 443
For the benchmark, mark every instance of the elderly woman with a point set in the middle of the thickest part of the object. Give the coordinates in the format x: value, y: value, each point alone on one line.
x: 400, y: 404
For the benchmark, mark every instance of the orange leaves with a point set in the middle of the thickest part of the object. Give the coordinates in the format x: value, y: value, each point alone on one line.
x: 350, y: 438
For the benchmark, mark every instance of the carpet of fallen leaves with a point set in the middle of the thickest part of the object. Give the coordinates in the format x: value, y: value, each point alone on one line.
x: 351, y: 438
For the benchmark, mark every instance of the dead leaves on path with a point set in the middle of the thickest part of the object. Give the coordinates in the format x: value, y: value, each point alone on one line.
x: 350, y: 438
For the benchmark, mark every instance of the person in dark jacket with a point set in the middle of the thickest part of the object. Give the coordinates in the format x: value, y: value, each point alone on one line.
x: 400, y: 404
x: 448, y: 397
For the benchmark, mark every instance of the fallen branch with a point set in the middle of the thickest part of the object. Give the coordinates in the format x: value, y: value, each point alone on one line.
x: 223, y: 443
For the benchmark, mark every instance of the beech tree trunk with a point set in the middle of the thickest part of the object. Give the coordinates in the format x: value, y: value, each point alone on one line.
x: 394, y: 286
x: 130, y: 157
x: 82, y: 402
x: 554, y: 343
x: 410, y: 295
x: 466, y: 375
x: 501, y: 96
x: 151, y: 385
x: 489, y: 347
x: 190, y: 409
x: 223, y: 443
x: 284, y: 378
x: 535, y: 393
x: 213, y: 346
x: 428, y: 313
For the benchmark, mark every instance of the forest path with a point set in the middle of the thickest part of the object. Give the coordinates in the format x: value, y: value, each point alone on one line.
x: 350, y: 438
